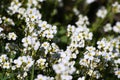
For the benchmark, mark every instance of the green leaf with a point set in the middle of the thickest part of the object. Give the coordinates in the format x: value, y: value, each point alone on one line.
x: 64, y: 39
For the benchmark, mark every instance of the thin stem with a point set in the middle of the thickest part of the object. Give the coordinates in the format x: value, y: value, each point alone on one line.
x: 32, y: 76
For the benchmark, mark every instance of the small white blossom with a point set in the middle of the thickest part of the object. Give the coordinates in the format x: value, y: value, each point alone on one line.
x: 37, y: 45
x: 12, y: 36
x: 59, y: 68
x: 89, y: 1
x: 1, y: 29
x: 41, y: 62
x: 0, y: 20
x: 102, y: 12
x: 81, y: 78
x: 116, y: 28
x: 6, y: 65
x: 107, y: 27
x: 42, y: 77
x: 116, y: 7
x: 117, y: 73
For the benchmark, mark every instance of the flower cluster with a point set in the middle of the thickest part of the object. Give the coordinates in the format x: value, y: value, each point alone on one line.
x: 116, y: 7
x: 107, y: 50
x: 30, y: 46
x: 80, y: 33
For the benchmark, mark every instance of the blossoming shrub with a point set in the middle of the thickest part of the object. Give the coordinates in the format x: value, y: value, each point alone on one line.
x: 59, y: 40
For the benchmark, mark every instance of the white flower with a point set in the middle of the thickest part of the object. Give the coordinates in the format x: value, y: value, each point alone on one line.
x: 101, y: 44
x: 102, y: 12
x: 83, y: 21
x: 23, y: 59
x: 74, y: 55
x: 90, y: 72
x: 30, y: 62
x: 13, y: 67
x: 71, y: 69
x: 81, y: 43
x: 106, y: 55
x: 41, y: 77
x: 89, y: 1
x: 45, y: 45
x: 18, y: 63
x: 81, y: 78
x: 25, y: 74
x: 70, y: 28
x: 41, y: 61
x: 6, y: 65
x: 90, y: 48
x: 54, y: 29
x: 59, y: 68
x: 116, y: 28
x: 76, y: 11
x: 41, y: 0
x: 14, y: 7
x: 49, y: 34
x: 37, y: 45
x: 116, y: 7
x: 0, y: 20
x: 107, y: 27
x: 88, y: 36
x: 26, y: 41
x: 96, y: 74
x: 84, y: 62
x: 117, y: 73
x: 12, y: 36
x: 89, y: 55
x: 117, y: 61
x: 3, y: 57
x: 1, y: 29
x: 66, y: 77
x: 47, y: 30
x: 43, y: 25
x: 33, y: 14
x: 33, y: 17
